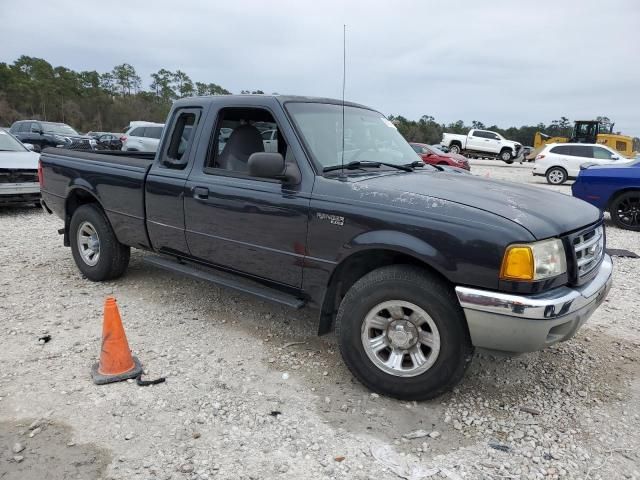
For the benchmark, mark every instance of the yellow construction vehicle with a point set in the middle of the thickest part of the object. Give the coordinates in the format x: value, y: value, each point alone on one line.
x: 587, y: 131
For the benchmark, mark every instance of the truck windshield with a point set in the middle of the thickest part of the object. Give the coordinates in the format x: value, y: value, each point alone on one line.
x: 10, y: 144
x: 368, y: 136
x: 58, y: 129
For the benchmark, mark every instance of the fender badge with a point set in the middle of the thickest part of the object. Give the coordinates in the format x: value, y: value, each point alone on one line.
x: 334, y: 219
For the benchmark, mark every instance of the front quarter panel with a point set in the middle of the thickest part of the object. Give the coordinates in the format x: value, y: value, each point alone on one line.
x: 464, y: 244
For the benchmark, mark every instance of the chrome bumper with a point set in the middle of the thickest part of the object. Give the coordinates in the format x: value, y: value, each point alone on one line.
x: 19, y: 188
x: 519, y: 323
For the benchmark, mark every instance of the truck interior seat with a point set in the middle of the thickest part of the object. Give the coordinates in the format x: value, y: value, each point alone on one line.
x: 243, y: 141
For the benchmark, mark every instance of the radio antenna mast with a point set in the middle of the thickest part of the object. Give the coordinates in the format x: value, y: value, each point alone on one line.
x: 344, y: 79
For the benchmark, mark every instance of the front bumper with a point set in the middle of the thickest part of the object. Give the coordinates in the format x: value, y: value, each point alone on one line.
x: 19, y: 192
x: 526, y: 323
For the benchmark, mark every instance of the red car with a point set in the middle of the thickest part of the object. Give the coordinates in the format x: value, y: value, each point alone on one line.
x: 435, y: 156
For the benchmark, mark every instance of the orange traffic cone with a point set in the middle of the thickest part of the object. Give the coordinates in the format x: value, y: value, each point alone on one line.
x: 116, y: 362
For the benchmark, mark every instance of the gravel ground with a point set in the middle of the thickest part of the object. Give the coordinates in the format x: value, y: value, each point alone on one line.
x: 252, y: 393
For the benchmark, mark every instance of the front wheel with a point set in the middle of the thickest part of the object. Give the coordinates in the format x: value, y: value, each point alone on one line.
x: 94, y: 246
x: 625, y: 210
x: 402, y: 333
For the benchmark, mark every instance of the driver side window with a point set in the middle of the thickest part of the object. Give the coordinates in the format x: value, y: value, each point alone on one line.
x: 239, y: 133
x: 602, y: 153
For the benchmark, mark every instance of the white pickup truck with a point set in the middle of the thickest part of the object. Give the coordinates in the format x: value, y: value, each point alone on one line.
x: 482, y: 143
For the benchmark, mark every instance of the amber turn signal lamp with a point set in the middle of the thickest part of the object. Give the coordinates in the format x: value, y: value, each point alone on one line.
x: 517, y: 263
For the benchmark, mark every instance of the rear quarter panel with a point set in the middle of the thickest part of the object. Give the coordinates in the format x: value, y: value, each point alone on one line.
x: 600, y: 185
x: 118, y: 188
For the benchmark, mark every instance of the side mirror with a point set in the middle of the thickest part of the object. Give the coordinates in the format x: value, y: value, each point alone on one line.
x: 272, y: 165
x: 29, y: 146
x: 615, y: 157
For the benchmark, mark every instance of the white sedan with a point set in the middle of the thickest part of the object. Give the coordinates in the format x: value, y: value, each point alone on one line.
x: 18, y: 172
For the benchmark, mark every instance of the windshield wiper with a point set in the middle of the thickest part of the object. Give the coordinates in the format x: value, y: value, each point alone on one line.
x: 365, y: 164
x: 415, y: 164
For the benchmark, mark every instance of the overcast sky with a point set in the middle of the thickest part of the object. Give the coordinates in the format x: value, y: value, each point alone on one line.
x: 499, y: 62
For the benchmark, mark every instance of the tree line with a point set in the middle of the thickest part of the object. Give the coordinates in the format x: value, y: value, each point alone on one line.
x: 88, y: 100
x: 31, y: 87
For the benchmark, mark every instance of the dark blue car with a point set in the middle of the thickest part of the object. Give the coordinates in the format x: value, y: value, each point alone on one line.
x: 615, y: 188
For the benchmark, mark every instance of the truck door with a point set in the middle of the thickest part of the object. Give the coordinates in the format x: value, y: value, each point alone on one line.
x: 493, y: 144
x: 248, y: 224
x: 165, y: 184
x: 475, y: 140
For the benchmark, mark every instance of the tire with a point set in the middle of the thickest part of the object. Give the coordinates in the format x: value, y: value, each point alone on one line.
x: 455, y: 148
x: 506, y: 156
x: 625, y: 210
x: 556, y: 175
x: 111, y: 258
x: 413, y: 289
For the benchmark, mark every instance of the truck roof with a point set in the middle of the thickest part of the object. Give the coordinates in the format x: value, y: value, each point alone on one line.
x: 250, y: 98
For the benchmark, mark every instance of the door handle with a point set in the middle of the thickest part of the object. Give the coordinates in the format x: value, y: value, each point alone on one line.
x: 201, y: 192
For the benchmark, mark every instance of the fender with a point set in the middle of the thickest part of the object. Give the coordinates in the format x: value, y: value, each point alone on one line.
x: 379, y: 241
x: 398, y: 242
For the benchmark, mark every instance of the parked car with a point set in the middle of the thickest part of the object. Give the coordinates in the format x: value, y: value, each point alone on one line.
x: 95, y: 135
x: 559, y: 162
x: 483, y: 143
x: 18, y: 172
x: 614, y: 188
x: 433, y: 156
x: 412, y: 265
x: 142, y: 137
x: 49, y: 134
x: 109, y: 141
x: 441, y: 148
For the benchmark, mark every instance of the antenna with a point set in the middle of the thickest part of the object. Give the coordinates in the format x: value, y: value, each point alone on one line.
x: 344, y: 79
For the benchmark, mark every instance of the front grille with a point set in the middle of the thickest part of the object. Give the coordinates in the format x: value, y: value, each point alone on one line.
x: 18, y: 175
x: 80, y: 144
x: 588, y: 248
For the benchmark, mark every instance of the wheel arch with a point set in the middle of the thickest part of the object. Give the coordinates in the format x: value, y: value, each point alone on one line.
x: 77, y: 196
x: 617, y: 193
x: 551, y: 167
x: 366, y: 259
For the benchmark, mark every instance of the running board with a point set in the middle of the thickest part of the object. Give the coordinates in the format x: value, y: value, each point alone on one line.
x: 246, y: 286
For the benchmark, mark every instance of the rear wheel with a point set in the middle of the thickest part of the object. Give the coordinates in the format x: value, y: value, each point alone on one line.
x: 556, y: 175
x: 625, y: 210
x: 506, y: 156
x: 95, y: 248
x: 402, y: 333
x: 455, y: 148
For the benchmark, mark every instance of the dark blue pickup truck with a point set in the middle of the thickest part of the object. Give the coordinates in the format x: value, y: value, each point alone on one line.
x: 308, y: 202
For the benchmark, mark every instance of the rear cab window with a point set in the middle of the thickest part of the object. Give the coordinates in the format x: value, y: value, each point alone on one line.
x: 180, y: 139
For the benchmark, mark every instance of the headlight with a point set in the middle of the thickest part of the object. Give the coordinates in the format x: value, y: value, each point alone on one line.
x: 534, y: 261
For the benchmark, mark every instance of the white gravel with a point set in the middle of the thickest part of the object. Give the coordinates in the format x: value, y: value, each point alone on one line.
x: 252, y: 393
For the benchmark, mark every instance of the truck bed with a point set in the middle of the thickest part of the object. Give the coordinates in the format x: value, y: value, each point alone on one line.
x: 115, y: 179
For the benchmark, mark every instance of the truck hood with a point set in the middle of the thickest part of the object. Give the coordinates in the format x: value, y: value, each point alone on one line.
x: 542, y: 212
x: 25, y: 160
